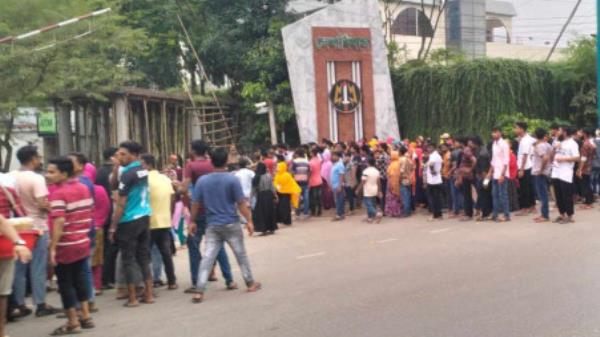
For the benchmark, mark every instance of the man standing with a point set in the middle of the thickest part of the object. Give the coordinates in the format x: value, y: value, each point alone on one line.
x: 161, y: 201
x: 482, y: 167
x: 371, y: 186
x: 195, y: 169
x: 71, y: 211
x: 526, y: 192
x: 435, y: 185
x: 31, y: 188
x: 540, y: 172
x: 566, y: 154
x: 584, y: 172
x: 464, y: 178
x: 338, y: 171
x: 221, y: 195
x: 131, y: 221
x: 499, y: 175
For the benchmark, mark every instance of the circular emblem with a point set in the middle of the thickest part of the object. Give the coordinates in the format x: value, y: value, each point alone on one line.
x: 345, y: 96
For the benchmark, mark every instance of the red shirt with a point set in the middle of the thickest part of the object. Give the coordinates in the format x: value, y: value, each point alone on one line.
x: 72, y: 201
x: 6, y: 208
x: 197, y: 168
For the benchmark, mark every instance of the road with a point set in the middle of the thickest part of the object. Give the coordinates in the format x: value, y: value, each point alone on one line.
x: 403, y: 277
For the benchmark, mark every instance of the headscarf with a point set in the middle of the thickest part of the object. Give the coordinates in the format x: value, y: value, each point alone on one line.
x: 89, y: 170
x: 393, y: 173
x: 285, y: 184
x: 326, y: 166
x: 261, y: 169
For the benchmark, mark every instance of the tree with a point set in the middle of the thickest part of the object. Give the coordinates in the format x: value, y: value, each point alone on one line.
x: 577, y: 73
x: 86, y: 59
x: 438, y: 8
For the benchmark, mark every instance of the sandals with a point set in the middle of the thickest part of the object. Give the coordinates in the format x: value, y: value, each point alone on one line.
x: 254, y: 287
x: 172, y: 287
x: 131, y: 305
x: 197, y: 299
x: 87, y: 323
x: 232, y: 286
x: 64, y: 330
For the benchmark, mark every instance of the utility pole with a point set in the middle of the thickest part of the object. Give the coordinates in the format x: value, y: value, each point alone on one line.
x: 273, y: 125
x: 564, y: 27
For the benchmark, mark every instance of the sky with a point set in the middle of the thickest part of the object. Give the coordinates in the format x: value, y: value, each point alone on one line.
x: 540, y: 21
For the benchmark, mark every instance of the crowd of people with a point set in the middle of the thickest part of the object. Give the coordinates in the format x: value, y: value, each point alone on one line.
x: 118, y: 225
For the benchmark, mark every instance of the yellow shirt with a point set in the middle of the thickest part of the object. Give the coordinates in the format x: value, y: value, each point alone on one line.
x: 161, y: 191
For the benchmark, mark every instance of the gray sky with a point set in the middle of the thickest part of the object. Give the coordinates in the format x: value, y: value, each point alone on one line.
x: 539, y: 21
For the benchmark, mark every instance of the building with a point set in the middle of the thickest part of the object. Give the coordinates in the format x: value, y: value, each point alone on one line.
x: 476, y: 27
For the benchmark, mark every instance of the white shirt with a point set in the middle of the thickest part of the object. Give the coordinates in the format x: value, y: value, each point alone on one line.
x: 526, y: 149
x: 7, y: 180
x: 500, y: 158
x: 245, y: 176
x: 434, y: 163
x: 370, y: 177
x: 564, y: 170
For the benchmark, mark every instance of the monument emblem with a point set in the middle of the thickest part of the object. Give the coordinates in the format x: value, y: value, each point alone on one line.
x: 345, y: 96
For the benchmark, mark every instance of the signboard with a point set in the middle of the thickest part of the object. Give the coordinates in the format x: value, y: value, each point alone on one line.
x: 46, y: 124
x: 345, y: 96
x: 343, y: 41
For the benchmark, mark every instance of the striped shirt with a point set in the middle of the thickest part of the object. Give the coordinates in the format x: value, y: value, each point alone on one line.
x: 73, y: 202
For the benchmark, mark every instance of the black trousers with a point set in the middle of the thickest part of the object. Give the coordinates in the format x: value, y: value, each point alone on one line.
x: 436, y: 198
x: 72, y: 283
x: 484, y: 198
x: 526, y: 191
x: 585, y: 187
x: 564, y: 196
x: 111, y: 250
x: 315, y: 200
x: 133, y: 238
x: 467, y: 192
x: 162, y: 238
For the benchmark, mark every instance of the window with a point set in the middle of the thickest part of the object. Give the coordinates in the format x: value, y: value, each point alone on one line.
x: 412, y: 22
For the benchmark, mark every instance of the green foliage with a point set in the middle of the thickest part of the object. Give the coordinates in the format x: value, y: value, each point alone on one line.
x: 578, y: 73
x: 507, y: 123
x: 469, y: 97
x: 88, y: 66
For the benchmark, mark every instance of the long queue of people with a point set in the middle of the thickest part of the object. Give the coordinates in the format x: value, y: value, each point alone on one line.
x: 461, y: 175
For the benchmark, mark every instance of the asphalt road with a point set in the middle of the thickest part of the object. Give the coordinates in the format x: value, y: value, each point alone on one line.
x: 405, y: 278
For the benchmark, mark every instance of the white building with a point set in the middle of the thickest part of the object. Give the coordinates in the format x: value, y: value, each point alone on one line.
x: 477, y: 27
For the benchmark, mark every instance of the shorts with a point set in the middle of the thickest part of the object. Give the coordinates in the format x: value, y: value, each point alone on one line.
x: 7, y: 275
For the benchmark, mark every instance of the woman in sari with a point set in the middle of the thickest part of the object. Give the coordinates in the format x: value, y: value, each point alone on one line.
x: 263, y: 214
x: 288, y: 193
x: 393, y: 199
x: 326, y: 192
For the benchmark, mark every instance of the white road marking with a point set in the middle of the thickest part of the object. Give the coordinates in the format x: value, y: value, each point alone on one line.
x: 387, y: 240
x: 310, y: 255
x: 439, y: 230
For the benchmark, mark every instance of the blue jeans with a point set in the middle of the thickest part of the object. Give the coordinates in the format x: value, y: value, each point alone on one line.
x: 39, y: 272
x: 90, y: 278
x: 406, y: 194
x: 370, y: 206
x: 216, y: 236
x: 305, y: 198
x: 596, y: 180
x: 157, y: 263
x: 540, y: 182
x: 457, y: 197
x: 193, y: 244
x: 500, y: 198
x: 340, y: 208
